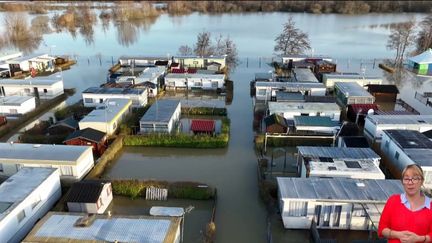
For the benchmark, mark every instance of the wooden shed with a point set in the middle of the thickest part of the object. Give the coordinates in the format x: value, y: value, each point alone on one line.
x: 383, y: 92
x: 88, y: 136
x: 276, y: 124
x: 89, y: 196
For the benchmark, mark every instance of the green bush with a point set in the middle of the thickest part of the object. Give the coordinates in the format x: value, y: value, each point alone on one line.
x: 207, y: 111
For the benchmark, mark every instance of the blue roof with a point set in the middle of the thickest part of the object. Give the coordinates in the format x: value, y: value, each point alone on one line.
x: 321, y: 121
x: 160, y: 111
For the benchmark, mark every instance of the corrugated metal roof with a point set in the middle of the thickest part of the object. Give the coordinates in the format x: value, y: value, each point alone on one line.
x: 338, y: 189
x: 107, y: 111
x: 380, y: 112
x: 202, y: 125
x: 195, y: 75
x: 99, y: 90
x: 304, y: 75
x: 321, y: 121
x: 409, y: 139
x: 396, y: 119
x: 350, y: 89
x: 289, y: 96
x: 349, y: 76
x: 57, y: 226
x: 160, y: 111
x: 337, y: 152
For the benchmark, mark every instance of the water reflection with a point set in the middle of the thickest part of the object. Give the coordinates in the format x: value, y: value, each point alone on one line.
x: 19, y: 34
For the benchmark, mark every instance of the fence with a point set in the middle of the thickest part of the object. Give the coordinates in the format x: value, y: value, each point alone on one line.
x: 154, y: 193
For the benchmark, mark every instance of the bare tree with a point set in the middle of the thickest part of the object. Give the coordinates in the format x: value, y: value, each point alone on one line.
x: 185, y: 50
x: 203, y: 46
x: 292, y: 40
x: 226, y: 46
x: 424, y: 36
x: 401, y: 38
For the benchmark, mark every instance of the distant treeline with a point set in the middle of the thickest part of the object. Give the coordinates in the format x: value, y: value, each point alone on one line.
x: 186, y: 7
x: 340, y: 7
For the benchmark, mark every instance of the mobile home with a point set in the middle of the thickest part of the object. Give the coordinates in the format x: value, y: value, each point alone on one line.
x: 39, y: 87
x: 291, y: 109
x: 329, y: 79
x: 405, y: 147
x: 351, y: 93
x: 107, y: 118
x: 73, y: 162
x: 334, y: 203
x: 376, y: 124
x: 200, y: 62
x: 16, y: 105
x: 25, y: 198
x: 267, y: 90
x: 195, y: 81
x: 161, y: 117
x: 96, y: 96
x: 76, y: 227
x: 361, y: 163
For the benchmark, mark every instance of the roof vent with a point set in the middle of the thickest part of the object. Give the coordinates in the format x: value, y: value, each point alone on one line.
x: 85, y: 221
x: 360, y: 184
x: 36, y: 145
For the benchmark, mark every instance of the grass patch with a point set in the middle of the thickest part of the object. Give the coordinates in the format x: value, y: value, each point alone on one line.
x: 206, y: 111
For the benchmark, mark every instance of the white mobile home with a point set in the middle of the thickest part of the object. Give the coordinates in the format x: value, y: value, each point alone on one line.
x: 334, y: 203
x: 107, y: 117
x: 97, y: 96
x: 25, y: 63
x: 405, y: 147
x: 73, y: 162
x: 290, y: 109
x: 76, y: 227
x: 329, y: 79
x: 9, y: 56
x: 161, y: 117
x: 297, y: 58
x: 360, y: 163
x: 351, y: 93
x: 267, y: 90
x: 139, y: 61
x: 200, y: 62
x: 195, y: 81
x: 16, y: 105
x: 89, y: 196
x: 24, y: 199
x: 376, y: 124
x: 39, y: 87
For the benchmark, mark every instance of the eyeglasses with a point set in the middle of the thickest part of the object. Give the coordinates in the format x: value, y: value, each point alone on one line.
x: 414, y: 180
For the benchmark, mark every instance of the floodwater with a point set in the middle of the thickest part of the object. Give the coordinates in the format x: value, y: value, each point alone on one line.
x: 354, y: 41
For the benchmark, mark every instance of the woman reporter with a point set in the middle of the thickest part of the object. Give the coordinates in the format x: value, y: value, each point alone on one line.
x: 408, y: 217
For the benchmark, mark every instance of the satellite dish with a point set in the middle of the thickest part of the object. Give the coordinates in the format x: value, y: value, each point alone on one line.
x: 370, y: 112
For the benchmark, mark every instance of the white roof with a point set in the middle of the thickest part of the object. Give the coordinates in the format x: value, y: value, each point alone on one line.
x: 304, y: 75
x: 398, y: 119
x: 281, y: 107
x: 14, y: 100
x: 45, y: 81
x: 351, y: 89
x: 354, y: 168
x: 338, y: 189
x: 58, y: 226
x: 425, y: 57
x: 107, y: 111
x: 24, y: 152
x: 20, y: 185
x: 290, y: 86
x: 195, y: 75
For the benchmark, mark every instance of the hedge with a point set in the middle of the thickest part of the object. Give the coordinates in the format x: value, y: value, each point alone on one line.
x: 181, y: 190
x: 207, y: 111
